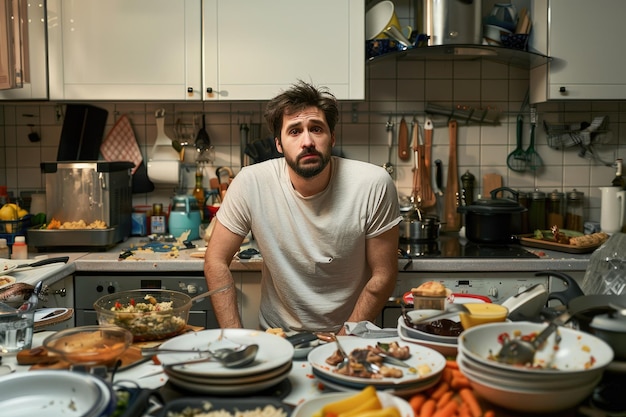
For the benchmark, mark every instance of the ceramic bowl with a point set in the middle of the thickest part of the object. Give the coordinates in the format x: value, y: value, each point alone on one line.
x: 147, y: 314
x: 89, y: 345
x: 310, y: 407
x: 572, y: 353
x: 425, y: 335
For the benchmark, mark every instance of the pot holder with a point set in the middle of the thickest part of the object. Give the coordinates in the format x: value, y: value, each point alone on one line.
x: 121, y: 144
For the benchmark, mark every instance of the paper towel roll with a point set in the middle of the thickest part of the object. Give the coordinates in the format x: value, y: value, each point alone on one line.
x: 164, y: 172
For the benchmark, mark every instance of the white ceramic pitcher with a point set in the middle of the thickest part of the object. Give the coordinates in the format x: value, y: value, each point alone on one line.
x: 612, y: 209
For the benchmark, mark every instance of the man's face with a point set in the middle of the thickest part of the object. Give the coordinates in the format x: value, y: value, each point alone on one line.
x: 306, y: 141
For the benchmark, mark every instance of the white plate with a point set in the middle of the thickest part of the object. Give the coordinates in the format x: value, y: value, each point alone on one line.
x: 405, y: 391
x: 418, y: 334
x: 310, y: 407
x: 273, y: 352
x: 54, y: 393
x: 7, y: 266
x: 239, y: 389
x: 229, y: 381
x: 6, y: 280
x: 420, y: 355
x: 446, y: 349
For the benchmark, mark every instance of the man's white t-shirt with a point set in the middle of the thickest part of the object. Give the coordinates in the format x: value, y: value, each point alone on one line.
x: 313, y: 248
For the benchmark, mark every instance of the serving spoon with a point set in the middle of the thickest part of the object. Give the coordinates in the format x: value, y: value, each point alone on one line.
x: 229, y: 357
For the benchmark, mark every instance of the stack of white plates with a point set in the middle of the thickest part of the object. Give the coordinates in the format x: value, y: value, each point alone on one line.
x: 446, y: 345
x: 271, y: 366
x: 567, y: 367
x: 408, y: 384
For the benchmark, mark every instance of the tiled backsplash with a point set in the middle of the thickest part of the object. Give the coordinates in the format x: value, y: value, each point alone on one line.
x: 394, y: 90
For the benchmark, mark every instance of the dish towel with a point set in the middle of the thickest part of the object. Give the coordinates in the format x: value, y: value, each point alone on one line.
x: 369, y: 330
x: 121, y: 144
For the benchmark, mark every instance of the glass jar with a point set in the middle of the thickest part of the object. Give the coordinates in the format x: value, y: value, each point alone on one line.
x: 574, y: 211
x: 522, y: 198
x: 555, y: 210
x: 537, y: 210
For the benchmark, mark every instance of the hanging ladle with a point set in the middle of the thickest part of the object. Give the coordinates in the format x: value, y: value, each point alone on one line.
x: 388, y: 165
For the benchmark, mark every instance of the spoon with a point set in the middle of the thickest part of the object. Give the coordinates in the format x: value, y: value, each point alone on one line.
x: 346, y: 358
x: 228, y: 357
x: 451, y: 310
x: 522, y: 352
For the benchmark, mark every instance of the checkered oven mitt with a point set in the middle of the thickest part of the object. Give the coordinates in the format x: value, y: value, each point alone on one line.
x: 121, y: 144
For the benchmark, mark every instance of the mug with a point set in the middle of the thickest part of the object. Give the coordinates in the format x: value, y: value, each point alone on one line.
x: 613, y: 204
x: 381, y: 22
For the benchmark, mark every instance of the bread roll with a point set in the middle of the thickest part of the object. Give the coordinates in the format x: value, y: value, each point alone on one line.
x: 430, y: 289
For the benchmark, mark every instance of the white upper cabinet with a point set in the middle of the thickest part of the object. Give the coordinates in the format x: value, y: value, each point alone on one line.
x: 203, y: 49
x: 34, y: 68
x: 254, y: 49
x: 582, y: 39
x: 124, y: 49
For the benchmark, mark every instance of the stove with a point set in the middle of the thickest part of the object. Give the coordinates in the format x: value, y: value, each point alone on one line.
x: 457, y: 247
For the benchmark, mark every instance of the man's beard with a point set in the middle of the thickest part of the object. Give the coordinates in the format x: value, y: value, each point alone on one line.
x: 309, y: 170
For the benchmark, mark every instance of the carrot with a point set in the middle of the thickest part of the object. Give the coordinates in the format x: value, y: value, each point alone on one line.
x: 489, y: 413
x: 458, y: 382
x: 416, y: 402
x: 428, y: 409
x: 444, y: 399
x: 440, y: 390
x: 468, y: 396
x: 448, y: 410
x: 447, y: 375
x: 451, y: 363
x: 464, y: 410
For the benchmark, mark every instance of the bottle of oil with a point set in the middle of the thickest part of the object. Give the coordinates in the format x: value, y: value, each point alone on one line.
x: 198, y: 191
x: 619, y: 180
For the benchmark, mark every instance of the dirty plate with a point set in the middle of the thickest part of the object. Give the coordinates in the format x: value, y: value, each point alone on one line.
x: 6, y: 280
x: 420, y: 356
x: 7, y: 267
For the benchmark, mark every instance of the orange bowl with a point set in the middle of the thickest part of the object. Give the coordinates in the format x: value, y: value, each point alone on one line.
x: 89, y: 345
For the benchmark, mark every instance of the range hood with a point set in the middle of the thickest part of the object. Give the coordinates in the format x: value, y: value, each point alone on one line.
x: 509, y: 56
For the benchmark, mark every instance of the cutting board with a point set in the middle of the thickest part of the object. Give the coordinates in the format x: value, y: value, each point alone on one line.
x: 491, y: 181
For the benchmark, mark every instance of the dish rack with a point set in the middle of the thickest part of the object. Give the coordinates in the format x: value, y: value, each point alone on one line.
x: 11, y: 228
x: 561, y: 136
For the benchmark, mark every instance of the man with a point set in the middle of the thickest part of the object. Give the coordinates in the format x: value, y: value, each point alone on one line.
x: 326, y: 227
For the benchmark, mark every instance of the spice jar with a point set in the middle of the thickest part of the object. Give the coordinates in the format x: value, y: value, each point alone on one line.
x: 537, y: 210
x: 555, y: 210
x: 574, y: 211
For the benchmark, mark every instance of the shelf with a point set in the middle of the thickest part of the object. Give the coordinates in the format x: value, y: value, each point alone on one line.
x: 515, y: 57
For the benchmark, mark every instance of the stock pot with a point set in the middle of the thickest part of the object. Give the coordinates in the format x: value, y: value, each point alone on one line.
x: 493, y: 221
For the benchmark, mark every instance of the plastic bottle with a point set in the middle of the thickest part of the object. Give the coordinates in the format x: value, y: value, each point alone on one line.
x: 4, y: 249
x: 20, y: 249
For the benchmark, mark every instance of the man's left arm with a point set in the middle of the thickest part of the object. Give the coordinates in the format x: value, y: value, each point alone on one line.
x: 382, y: 257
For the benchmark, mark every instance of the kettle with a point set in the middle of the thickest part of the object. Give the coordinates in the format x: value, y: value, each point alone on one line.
x: 185, y: 215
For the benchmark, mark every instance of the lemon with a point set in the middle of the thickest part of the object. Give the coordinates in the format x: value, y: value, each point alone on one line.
x: 8, y: 212
x: 21, y: 213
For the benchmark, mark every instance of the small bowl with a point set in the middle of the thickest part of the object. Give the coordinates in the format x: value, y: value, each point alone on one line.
x: 163, y: 315
x: 89, y: 345
x: 493, y: 34
x: 310, y: 407
x: 483, y: 313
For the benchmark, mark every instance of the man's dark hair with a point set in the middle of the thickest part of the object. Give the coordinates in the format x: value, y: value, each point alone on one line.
x: 297, y: 98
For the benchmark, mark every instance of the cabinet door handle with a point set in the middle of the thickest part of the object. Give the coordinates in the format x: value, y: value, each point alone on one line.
x: 562, y: 90
x: 190, y: 90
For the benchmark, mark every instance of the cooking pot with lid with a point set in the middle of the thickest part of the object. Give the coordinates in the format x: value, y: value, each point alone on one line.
x: 495, y: 220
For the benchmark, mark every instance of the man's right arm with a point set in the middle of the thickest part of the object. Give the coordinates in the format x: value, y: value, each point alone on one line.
x: 219, y: 254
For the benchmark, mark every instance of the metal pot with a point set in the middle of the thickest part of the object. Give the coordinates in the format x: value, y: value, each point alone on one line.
x: 495, y: 220
x: 416, y: 230
x: 450, y: 21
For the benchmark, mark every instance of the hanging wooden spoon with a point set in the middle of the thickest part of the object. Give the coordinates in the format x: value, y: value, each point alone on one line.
x: 428, y: 195
x: 452, y: 217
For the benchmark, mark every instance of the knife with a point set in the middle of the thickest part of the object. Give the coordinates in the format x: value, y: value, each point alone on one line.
x: 438, y: 188
x: 393, y: 361
x: 43, y: 262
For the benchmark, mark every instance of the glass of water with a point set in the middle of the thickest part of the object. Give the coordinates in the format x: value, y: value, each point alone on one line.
x: 16, y: 329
